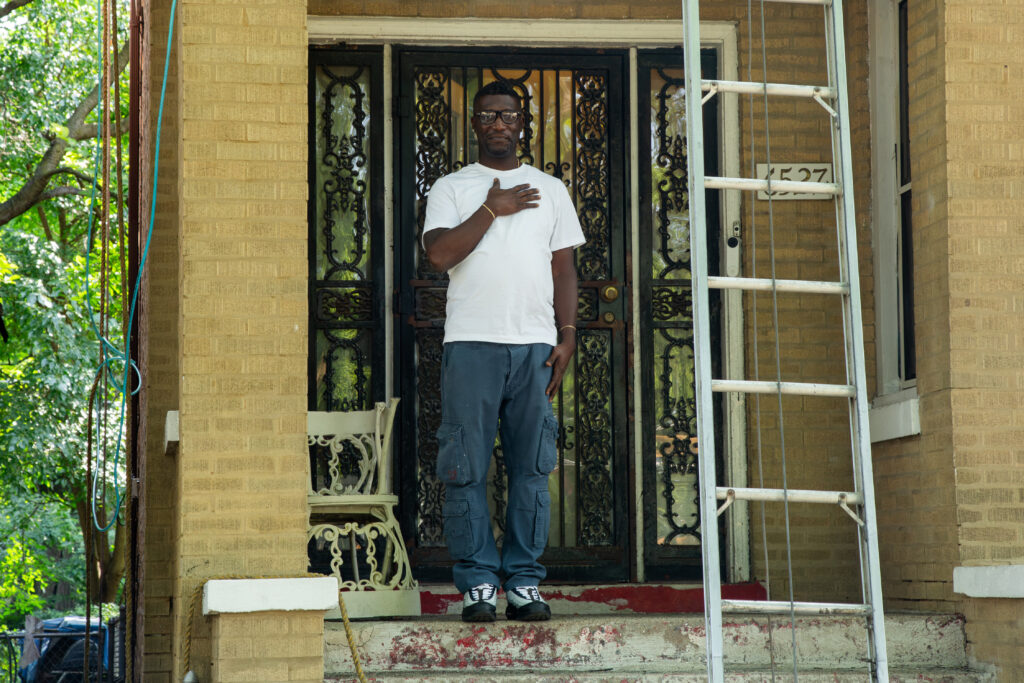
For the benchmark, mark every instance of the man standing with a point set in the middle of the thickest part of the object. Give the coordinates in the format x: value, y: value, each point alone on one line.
x: 505, y: 233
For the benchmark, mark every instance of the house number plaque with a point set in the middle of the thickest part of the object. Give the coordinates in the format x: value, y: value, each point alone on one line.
x: 802, y: 172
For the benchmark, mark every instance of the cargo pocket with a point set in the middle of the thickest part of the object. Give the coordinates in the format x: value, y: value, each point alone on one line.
x: 457, y: 532
x: 542, y: 521
x: 548, y: 452
x: 452, y: 460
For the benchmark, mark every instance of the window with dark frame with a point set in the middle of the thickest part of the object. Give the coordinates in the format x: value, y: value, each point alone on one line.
x: 905, y: 244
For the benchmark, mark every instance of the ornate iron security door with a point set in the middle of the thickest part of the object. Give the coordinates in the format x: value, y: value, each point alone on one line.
x: 670, y: 507
x: 574, y: 131
x: 346, y: 230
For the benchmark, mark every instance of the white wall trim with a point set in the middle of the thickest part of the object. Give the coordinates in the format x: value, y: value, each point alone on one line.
x: 171, y: 430
x: 477, y: 32
x: 1004, y: 581
x: 240, y: 596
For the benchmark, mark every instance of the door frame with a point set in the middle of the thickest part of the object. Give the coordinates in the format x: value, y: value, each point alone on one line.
x: 569, y: 33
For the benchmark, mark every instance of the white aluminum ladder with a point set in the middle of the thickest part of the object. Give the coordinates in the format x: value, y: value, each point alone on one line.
x: 858, y: 503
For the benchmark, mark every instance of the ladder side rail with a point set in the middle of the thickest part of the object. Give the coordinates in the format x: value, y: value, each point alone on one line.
x: 702, y: 345
x: 871, y: 566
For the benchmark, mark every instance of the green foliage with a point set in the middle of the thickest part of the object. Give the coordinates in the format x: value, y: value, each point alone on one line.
x: 40, y: 546
x: 48, y: 63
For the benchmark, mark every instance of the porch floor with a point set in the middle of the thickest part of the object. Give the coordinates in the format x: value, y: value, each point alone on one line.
x: 642, y: 647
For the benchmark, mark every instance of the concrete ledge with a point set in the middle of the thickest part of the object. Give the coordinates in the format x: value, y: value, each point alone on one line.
x: 895, y: 420
x: 238, y: 596
x: 1003, y: 581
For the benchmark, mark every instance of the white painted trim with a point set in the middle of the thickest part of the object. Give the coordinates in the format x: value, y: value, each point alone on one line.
x: 389, y: 225
x: 1004, y: 581
x: 638, y: 395
x: 895, y: 418
x: 242, y: 596
x: 883, y: 83
x: 733, y: 342
x: 478, y: 32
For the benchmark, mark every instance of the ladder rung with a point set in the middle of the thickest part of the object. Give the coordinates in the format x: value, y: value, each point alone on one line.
x: 801, y: 608
x: 759, y: 284
x: 754, y: 184
x: 792, y: 495
x: 780, y: 89
x: 789, y: 388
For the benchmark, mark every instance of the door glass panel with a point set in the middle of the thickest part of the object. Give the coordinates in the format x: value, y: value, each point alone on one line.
x: 671, y: 487
x: 346, y: 316
x: 675, y: 406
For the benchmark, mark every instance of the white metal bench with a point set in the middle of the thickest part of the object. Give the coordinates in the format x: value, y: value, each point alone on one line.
x: 352, y: 511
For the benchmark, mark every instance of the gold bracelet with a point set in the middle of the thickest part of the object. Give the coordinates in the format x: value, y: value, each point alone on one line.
x: 493, y: 215
x: 565, y: 326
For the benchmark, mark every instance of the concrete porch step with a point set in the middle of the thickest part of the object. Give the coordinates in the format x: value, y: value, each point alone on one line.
x: 931, y: 676
x: 643, y: 648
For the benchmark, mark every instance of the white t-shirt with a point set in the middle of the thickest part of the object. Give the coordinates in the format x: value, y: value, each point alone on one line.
x: 503, y: 292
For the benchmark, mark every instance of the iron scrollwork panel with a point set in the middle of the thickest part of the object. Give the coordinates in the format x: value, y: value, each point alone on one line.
x: 671, y: 502
x: 346, y: 262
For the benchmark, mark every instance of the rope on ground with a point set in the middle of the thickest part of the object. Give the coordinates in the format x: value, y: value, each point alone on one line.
x: 190, y: 675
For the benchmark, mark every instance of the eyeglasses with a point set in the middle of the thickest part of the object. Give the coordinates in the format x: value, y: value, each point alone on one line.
x: 508, y: 116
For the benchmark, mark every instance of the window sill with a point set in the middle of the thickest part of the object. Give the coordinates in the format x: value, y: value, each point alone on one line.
x: 895, y: 416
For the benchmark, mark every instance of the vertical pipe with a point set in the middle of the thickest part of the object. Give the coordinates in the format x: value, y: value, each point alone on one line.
x: 135, y: 615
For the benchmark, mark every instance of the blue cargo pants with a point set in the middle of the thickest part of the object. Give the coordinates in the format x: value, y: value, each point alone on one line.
x: 485, y: 387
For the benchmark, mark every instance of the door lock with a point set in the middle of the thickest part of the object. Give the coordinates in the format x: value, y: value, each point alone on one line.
x: 609, y: 293
x: 609, y: 317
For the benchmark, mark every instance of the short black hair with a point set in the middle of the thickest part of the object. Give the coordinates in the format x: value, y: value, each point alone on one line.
x: 497, y: 88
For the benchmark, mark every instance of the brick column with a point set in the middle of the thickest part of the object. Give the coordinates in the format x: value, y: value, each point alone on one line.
x: 985, y: 146
x: 242, y: 459
x: 270, y: 631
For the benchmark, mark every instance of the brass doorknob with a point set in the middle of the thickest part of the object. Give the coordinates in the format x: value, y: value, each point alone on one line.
x: 609, y: 317
x: 609, y: 293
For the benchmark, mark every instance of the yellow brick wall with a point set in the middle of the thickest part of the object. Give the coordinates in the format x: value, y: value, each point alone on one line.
x: 270, y: 647
x: 984, y: 70
x: 160, y: 326
x: 241, y: 299
x: 914, y: 476
x: 994, y: 629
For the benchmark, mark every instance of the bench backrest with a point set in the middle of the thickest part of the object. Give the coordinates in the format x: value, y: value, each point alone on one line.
x: 352, y: 450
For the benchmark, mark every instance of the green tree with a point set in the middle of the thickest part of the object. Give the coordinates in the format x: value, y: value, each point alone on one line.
x: 48, y: 118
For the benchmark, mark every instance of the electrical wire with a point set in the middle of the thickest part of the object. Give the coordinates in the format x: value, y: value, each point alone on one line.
x: 114, y: 355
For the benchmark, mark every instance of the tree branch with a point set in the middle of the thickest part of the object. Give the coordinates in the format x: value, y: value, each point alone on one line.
x: 33, y: 191
x: 45, y: 223
x: 83, y: 178
x: 11, y: 6
x: 88, y: 130
x: 62, y: 191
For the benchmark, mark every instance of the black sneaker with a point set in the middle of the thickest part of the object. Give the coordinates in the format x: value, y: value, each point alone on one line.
x: 526, y: 604
x: 478, y: 603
